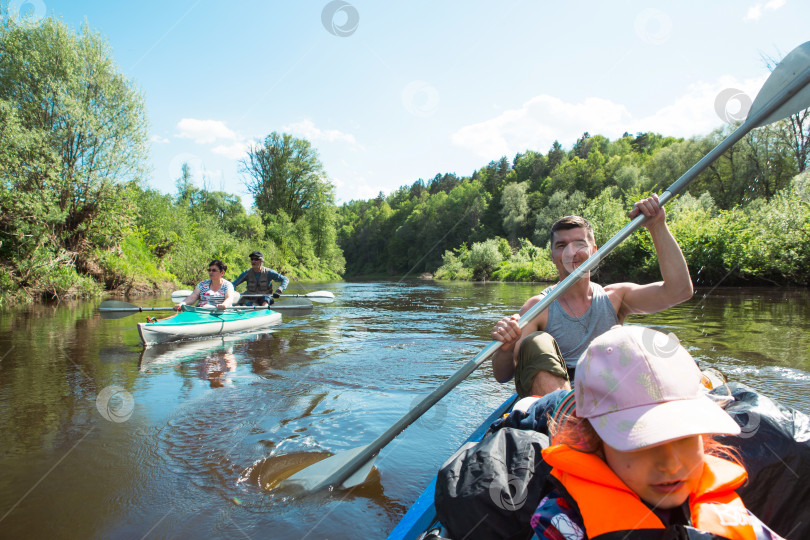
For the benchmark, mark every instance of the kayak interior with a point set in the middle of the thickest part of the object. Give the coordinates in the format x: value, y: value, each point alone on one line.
x: 421, y: 516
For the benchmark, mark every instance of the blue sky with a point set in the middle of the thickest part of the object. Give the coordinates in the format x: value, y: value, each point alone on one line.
x: 390, y: 92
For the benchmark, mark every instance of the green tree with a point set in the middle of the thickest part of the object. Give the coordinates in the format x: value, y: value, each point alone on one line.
x: 514, y: 209
x: 606, y: 214
x: 322, y: 223
x: 795, y: 132
x: 560, y: 204
x: 74, y: 135
x: 556, y: 155
x: 630, y: 178
x: 188, y: 194
x: 284, y: 173
x: 771, y: 164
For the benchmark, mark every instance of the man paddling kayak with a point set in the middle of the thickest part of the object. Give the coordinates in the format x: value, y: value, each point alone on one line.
x: 259, y: 280
x: 542, y: 356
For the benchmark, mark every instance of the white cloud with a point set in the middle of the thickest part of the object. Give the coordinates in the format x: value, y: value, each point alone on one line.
x: 545, y: 118
x: 308, y: 130
x: 235, y: 150
x: 232, y: 145
x: 204, y: 131
x: 694, y: 113
x: 157, y: 139
x: 755, y: 11
x: 355, y: 187
x: 539, y: 122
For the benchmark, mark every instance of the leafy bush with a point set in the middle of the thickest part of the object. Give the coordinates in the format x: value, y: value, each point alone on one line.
x: 454, y: 265
x: 132, y: 265
x: 525, y: 271
x: 772, y: 240
x: 484, y: 258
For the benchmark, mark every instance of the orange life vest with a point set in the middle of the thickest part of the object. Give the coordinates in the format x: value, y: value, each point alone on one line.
x: 607, y: 505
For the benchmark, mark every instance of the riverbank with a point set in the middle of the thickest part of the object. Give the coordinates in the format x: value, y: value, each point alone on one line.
x: 143, y: 283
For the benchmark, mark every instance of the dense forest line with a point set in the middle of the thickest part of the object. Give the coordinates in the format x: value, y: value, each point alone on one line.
x: 746, y: 219
x: 77, y: 217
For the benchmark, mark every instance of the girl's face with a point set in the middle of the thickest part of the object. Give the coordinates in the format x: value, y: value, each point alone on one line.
x: 663, y: 475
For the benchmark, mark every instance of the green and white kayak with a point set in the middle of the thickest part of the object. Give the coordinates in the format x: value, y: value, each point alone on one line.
x: 195, y: 322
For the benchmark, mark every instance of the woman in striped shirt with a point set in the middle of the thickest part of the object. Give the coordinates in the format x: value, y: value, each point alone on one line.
x: 214, y: 291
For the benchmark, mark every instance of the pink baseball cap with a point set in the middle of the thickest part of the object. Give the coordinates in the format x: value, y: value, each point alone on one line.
x: 639, y: 387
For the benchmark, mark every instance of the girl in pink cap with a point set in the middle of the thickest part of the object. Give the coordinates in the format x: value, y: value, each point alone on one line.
x: 632, y: 452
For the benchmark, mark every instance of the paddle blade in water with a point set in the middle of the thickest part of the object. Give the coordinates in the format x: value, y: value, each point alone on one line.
x: 109, y: 305
x: 793, y: 69
x: 116, y: 314
x: 293, y: 306
x: 270, y: 472
x: 115, y: 309
x: 292, y: 303
x: 314, y: 477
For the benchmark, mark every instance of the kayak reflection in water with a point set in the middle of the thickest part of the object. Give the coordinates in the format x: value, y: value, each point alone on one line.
x: 215, y: 291
x: 215, y: 368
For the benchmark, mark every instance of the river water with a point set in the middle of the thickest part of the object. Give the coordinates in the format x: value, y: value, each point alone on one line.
x: 101, y: 439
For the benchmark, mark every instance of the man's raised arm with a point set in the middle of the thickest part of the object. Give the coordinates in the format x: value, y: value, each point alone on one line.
x: 676, y: 286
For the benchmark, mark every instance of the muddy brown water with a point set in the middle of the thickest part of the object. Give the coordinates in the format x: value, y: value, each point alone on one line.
x: 101, y: 439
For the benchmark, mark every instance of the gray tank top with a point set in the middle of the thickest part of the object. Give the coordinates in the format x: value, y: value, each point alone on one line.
x: 574, y: 334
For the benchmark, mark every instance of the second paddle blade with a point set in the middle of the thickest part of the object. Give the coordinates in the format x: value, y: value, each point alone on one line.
x: 115, y: 309
x: 179, y: 296
x: 313, y: 477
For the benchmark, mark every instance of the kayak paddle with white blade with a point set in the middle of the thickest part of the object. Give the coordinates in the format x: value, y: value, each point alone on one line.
x: 321, y: 297
x: 116, y: 309
x: 784, y: 93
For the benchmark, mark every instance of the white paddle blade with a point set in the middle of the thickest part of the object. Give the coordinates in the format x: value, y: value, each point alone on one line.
x: 790, y: 68
x: 179, y: 296
x: 314, y: 477
x: 322, y: 297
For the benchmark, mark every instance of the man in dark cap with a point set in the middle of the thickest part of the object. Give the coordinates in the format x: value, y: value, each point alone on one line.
x: 259, y: 281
